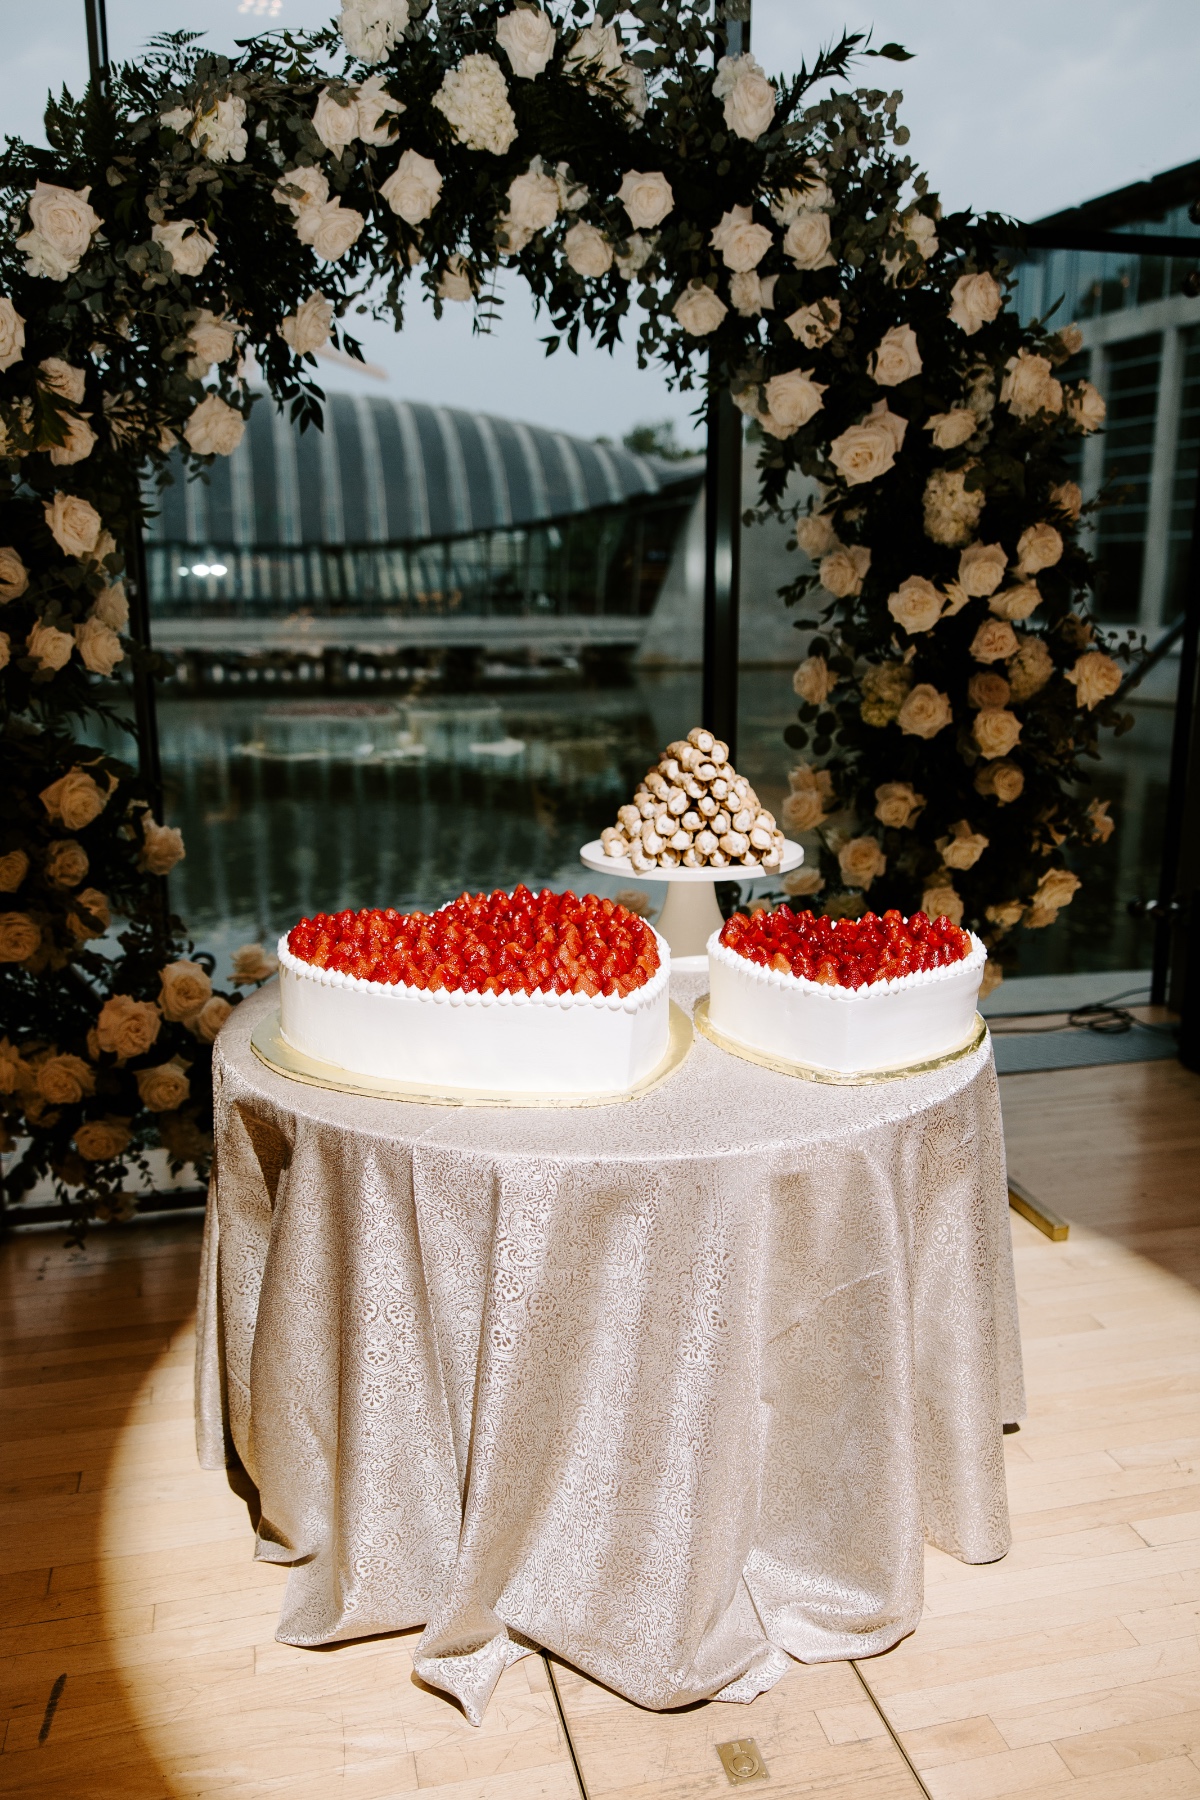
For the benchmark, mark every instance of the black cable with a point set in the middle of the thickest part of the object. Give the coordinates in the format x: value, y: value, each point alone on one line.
x: 1103, y: 1016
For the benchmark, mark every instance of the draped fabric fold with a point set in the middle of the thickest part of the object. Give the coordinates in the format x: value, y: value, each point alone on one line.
x: 669, y: 1388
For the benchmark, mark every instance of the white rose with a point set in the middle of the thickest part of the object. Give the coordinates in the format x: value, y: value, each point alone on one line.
x: 588, y: 250
x: 42, y: 259
x: 454, y: 282
x: 80, y: 442
x: 330, y: 229
x: 375, y: 106
x: 596, y: 53
x: 1038, y: 547
x: 52, y: 648
x: 1015, y: 602
x: 981, y: 569
x: 897, y: 804
x: 218, y: 133
x: 413, y: 188
x: 749, y: 97
x: 812, y: 197
x: 370, y: 28
x: 952, y: 509
x: 814, y: 681
x: 1085, y: 406
x: 976, y: 301
x: 1095, y: 677
x: 307, y: 329
x: 815, y: 324
x: 941, y: 901
x: 12, y: 333
x: 806, y: 241
x: 631, y: 85
x: 527, y: 38
x: 815, y: 535
x: 996, y: 731
x: 214, y: 429
x: 14, y: 576
x: 74, y: 524
x: 335, y: 120
x: 916, y: 604
x: 1070, y: 339
x: 640, y: 250
x: 63, y: 222
x: 210, y: 340
x: 925, y: 712
x: 950, y: 429
x: 844, y: 570
x: 792, y: 400
x: 179, y: 118
x: 860, y: 861
x: 532, y: 205
x: 187, y: 244
x: 868, y: 450
x: 474, y: 97
x: 752, y: 294
x: 740, y: 242
x: 298, y: 188
x: 98, y: 646
x: 699, y: 310
x: 994, y: 641
x: 647, y: 198
x: 897, y: 359
x: 1029, y: 386
x: 111, y: 607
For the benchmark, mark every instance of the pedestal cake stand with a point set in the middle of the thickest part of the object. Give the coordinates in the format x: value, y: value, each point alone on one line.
x: 690, y: 914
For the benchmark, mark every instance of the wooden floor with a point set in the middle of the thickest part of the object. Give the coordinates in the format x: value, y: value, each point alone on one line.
x: 137, y: 1652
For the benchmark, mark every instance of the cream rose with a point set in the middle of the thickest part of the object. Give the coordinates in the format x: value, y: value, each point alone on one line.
x: 749, y: 97
x: 813, y: 196
x: 996, y: 731
x: 638, y: 254
x: 699, y: 310
x: 99, y: 1140
x: 844, y: 570
x: 14, y: 1070
x: 986, y: 688
x: 1085, y: 406
x: 897, y: 804
x: 414, y: 187
x: 1002, y: 781
x: 335, y: 119
x: 1095, y: 678
x: 1029, y: 387
x: 370, y: 28
x: 162, y: 846
x: 801, y: 884
x: 951, y: 429
x: 814, y: 681
x: 127, y: 1027
x: 187, y: 244
x: 527, y: 37
x: 942, y: 902
x: 981, y: 569
x: 792, y: 400
x: 215, y: 428
x: 92, y: 916
x: 596, y: 53
x: 1102, y: 826
x: 64, y: 1080
x: 210, y: 340
x: 815, y: 324
x: 99, y: 647
x: 63, y: 379
x: 208, y: 1021
x: 454, y: 282
x: 976, y: 299
x: 897, y: 358
x: 916, y: 604
x: 303, y: 187
x: 74, y: 524
x: 1006, y: 914
x: 925, y: 712
x: 806, y: 241
x: 329, y: 229
x: 803, y: 810
x: 5, y: 649
x: 588, y: 251
x: 860, y: 861
x: 251, y: 964
x: 952, y: 509
x: 20, y: 937
x: 994, y: 641
x: 474, y: 98
x: 1030, y: 668
x: 185, y: 989
x: 307, y: 330
x: 74, y: 800
x: 12, y: 333
x: 815, y: 535
x: 752, y: 294
x: 1015, y: 602
x: 66, y: 863
x: 647, y: 198
x: 219, y: 133
x: 1038, y: 547
x: 740, y: 243
x: 533, y: 202
x: 14, y: 576
x: 1068, y: 497
x: 375, y: 108
x: 63, y: 223
x: 868, y: 450
x: 964, y: 848
x: 163, y: 1088
x: 14, y: 867
x: 78, y: 444
x: 52, y: 648
x: 1056, y: 889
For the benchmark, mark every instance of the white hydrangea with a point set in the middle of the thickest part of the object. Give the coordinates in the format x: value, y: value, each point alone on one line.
x: 474, y: 97
x: 220, y: 131
x: 371, y: 28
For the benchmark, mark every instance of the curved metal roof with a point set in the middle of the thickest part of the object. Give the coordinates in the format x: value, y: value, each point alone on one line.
x: 395, y: 471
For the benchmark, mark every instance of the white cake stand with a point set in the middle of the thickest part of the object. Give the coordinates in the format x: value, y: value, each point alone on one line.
x: 690, y: 914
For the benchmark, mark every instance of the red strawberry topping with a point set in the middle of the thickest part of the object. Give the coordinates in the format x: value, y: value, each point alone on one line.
x: 846, y: 952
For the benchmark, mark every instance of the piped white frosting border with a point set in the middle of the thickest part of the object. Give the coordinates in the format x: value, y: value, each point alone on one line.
x: 897, y: 984
x: 630, y: 1003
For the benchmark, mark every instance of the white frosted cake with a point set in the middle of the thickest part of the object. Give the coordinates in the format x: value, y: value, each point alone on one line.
x: 846, y: 1017
x: 521, y: 993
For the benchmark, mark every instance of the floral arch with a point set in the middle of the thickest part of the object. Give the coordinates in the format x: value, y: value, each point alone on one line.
x: 197, y: 209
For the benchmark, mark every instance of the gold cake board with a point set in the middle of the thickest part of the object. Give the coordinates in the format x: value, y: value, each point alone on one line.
x: 834, y: 1077
x: 283, y: 1059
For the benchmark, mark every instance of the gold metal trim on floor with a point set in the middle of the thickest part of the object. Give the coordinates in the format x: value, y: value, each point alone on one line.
x: 742, y: 1761
x: 282, y: 1059
x: 834, y: 1077
x: 1023, y: 1202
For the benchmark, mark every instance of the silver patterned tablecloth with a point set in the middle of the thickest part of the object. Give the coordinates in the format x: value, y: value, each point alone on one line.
x: 670, y: 1387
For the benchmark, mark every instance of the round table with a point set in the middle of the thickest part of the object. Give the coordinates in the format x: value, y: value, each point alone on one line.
x: 675, y: 1388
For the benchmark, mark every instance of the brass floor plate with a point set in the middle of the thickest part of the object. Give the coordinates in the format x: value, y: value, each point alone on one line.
x: 834, y: 1077
x: 741, y: 1761
x: 283, y: 1059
